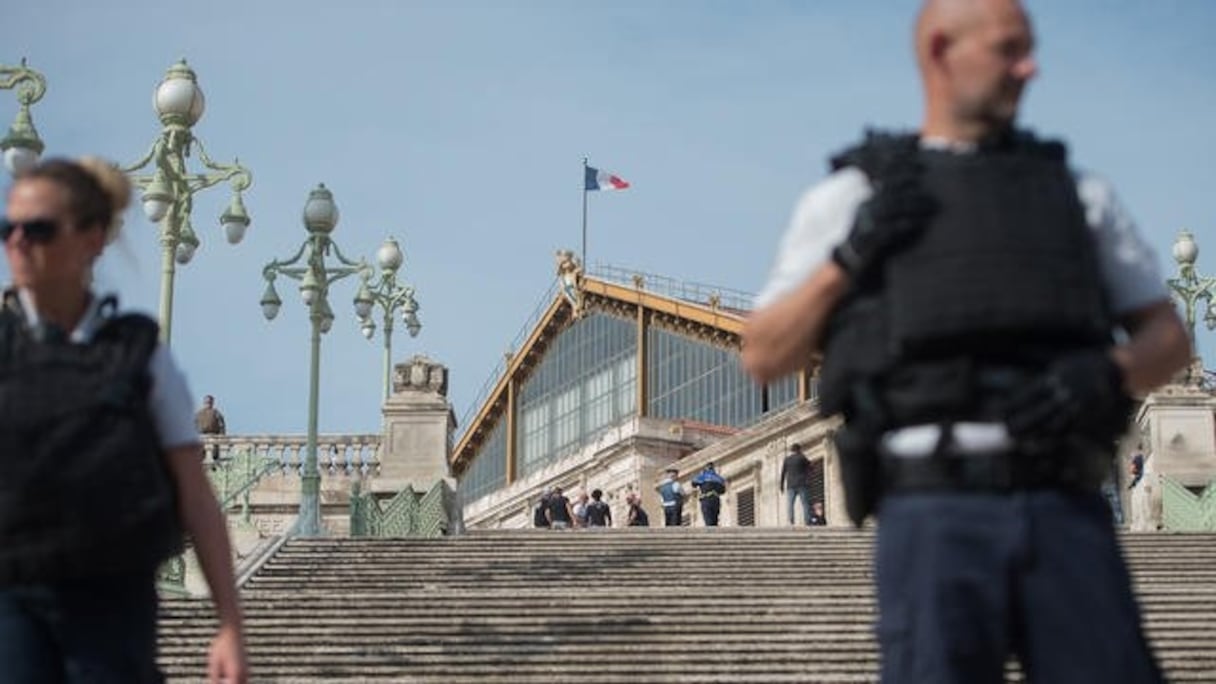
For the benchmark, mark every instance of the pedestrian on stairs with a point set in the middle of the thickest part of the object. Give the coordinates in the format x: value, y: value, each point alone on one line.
x: 985, y: 312
x: 796, y: 483
x: 637, y: 516
x: 672, y: 496
x: 559, y: 511
x: 100, y: 455
x: 580, y: 509
x: 540, y: 512
x: 599, y: 513
x: 711, y: 486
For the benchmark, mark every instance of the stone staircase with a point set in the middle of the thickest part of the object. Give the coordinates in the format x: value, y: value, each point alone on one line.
x: 620, y: 605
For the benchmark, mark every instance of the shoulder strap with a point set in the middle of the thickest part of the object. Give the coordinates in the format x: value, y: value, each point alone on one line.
x: 138, y: 337
x: 878, y: 154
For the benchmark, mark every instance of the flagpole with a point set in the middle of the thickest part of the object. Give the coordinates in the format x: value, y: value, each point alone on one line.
x: 583, y: 252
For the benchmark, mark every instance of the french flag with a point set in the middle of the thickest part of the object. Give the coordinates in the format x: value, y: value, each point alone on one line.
x: 602, y: 180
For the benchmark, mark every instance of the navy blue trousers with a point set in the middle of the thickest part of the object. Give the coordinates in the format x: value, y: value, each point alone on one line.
x: 710, y: 506
x: 967, y: 579
x: 100, y: 631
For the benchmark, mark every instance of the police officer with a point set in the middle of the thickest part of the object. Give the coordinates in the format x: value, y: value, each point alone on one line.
x: 672, y: 496
x: 711, y: 487
x: 963, y: 284
x: 101, y: 458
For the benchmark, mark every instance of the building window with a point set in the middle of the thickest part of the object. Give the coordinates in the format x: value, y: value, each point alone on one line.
x: 691, y: 380
x: 745, y: 506
x: 585, y: 383
x: 488, y: 471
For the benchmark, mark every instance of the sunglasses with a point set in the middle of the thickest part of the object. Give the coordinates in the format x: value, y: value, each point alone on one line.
x: 37, y: 231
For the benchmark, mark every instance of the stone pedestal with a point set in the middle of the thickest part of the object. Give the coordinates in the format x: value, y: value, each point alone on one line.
x: 418, y: 428
x: 1178, y: 436
x: 1179, y: 428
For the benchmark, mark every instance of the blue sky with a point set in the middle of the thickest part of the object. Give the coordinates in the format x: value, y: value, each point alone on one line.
x: 459, y: 128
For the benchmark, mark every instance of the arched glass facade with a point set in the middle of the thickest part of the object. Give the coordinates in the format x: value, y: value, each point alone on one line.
x: 488, y: 471
x: 586, y: 382
x: 691, y: 380
x: 783, y: 393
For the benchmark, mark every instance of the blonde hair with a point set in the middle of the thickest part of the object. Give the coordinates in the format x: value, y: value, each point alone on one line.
x: 116, y: 186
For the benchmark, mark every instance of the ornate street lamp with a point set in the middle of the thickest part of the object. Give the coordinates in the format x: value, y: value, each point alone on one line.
x: 169, y: 187
x: 308, y: 266
x: 390, y: 295
x: 21, y: 145
x: 1192, y: 289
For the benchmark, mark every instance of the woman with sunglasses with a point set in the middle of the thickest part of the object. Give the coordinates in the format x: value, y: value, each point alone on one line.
x: 100, y: 461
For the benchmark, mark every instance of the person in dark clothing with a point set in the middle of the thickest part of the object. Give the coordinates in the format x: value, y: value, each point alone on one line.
x: 711, y: 486
x: 540, y: 513
x: 599, y: 513
x: 102, y: 463
x: 1137, y: 469
x: 637, y: 516
x: 817, y: 517
x: 559, y: 512
x: 796, y: 483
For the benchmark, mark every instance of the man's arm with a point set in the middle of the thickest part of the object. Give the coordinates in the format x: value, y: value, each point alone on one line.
x: 780, y: 338
x: 1157, y: 347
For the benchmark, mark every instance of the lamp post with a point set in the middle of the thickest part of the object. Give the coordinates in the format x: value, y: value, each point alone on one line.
x: 390, y: 295
x: 21, y: 145
x: 1191, y: 288
x: 308, y: 266
x: 169, y: 187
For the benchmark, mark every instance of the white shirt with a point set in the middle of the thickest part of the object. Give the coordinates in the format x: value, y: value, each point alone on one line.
x: 825, y: 213
x: 170, y: 400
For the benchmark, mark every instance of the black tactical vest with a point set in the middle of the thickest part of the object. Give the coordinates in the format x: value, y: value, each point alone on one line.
x: 1005, y: 274
x: 85, y: 491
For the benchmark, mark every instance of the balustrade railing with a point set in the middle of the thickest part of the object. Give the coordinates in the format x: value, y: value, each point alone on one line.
x: 341, y: 455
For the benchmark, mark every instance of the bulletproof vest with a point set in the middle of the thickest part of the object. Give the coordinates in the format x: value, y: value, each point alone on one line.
x: 1004, y: 274
x: 85, y: 490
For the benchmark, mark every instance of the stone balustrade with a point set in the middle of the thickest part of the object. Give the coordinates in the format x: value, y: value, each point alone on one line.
x: 347, y: 454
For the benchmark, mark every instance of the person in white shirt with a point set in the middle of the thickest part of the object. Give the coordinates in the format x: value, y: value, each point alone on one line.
x: 102, y: 458
x: 963, y: 285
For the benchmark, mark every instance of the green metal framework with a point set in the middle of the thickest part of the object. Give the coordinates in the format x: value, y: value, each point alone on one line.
x: 390, y: 295
x: 30, y: 86
x: 407, y: 514
x: 1185, y: 511
x: 308, y: 266
x: 172, y: 183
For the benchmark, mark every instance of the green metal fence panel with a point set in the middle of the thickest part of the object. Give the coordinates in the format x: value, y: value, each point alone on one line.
x: 405, y: 515
x: 1184, y: 511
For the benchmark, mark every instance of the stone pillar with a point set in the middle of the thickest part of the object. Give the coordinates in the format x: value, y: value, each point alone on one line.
x: 418, y: 428
x: 833, y: 489
x: 1178, y: 428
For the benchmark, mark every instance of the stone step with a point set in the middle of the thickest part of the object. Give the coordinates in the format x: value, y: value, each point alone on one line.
x: 539, y: 606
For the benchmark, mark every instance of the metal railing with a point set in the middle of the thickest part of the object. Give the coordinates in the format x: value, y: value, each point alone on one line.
x: 689, y: 291
x: 407, y: 514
